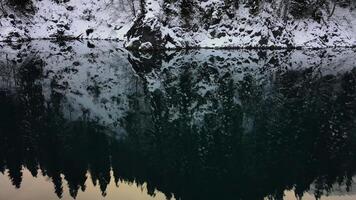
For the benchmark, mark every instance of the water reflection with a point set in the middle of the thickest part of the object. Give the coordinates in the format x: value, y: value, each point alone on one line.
x: 193, y: 125
x: 40, y: 187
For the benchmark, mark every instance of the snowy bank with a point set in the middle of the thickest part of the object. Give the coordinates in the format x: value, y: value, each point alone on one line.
x: 211, y: 25
x: 164, y: 24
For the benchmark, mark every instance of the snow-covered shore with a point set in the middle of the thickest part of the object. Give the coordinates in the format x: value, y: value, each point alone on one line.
x: 160, y: 26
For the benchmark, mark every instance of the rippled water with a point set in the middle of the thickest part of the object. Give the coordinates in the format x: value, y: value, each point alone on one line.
x: 91, y: 121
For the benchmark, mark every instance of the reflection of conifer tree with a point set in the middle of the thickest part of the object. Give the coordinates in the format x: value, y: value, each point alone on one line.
x: 15, y: 173
x: 51, y: 142
x: 231, y: 122
x: 57, y: 181
x: 7, y: 119
x: 49, y: 158
x: 14, y: 159
x: 29, y: 97
x: 245, y: 143
x: 99, y: 163
x: 31, y: 101
x: 2, y: 158
x: 74, y: 157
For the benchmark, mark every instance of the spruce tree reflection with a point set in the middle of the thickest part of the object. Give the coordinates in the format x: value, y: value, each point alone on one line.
x: 238, y: 140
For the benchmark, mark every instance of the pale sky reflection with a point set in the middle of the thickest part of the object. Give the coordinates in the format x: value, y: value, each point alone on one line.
x: 42, y: 188
x: 289, y: 195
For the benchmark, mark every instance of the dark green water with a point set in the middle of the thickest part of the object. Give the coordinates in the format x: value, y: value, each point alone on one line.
x: 192, y: 125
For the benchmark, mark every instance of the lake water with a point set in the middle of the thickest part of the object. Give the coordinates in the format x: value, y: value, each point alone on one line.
x: 90, y: 120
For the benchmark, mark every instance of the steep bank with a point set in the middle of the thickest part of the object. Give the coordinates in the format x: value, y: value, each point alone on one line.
x: 65, y: 19
x: 217, y: 23
x: 172, y: 24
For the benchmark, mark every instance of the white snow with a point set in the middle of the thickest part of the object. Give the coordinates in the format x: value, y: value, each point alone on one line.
x: 108, y: 19
x: 111, y: 19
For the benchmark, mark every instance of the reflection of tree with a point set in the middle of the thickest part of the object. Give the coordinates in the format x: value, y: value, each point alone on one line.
x: 298, y: 129
x: 305, y: 131
x: 233, y: 141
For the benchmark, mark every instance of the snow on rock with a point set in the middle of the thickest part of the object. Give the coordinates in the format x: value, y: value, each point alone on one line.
x: 161, y: 24
x: 145, y: 46
x: 211, y: 25
x: 147, y: 32
x: 93, y: 19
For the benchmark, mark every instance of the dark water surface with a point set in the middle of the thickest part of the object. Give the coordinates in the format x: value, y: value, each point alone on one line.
x: 93, y: 121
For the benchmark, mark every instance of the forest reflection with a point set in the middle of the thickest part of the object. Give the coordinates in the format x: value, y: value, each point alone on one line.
x: 242, y: 139
x: 41, y: 187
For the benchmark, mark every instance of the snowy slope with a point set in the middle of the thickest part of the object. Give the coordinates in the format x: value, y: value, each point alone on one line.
x: 211, y: 24
x: 105, y: 19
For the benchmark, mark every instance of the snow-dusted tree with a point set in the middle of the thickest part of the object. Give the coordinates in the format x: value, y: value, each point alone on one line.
x: 142, y: 6
x: 19, y: 4
x: 132, y: 7
x: 186, y: 10
x: 25, y: 6
x: 231, y: 3
x: 254, y: 6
